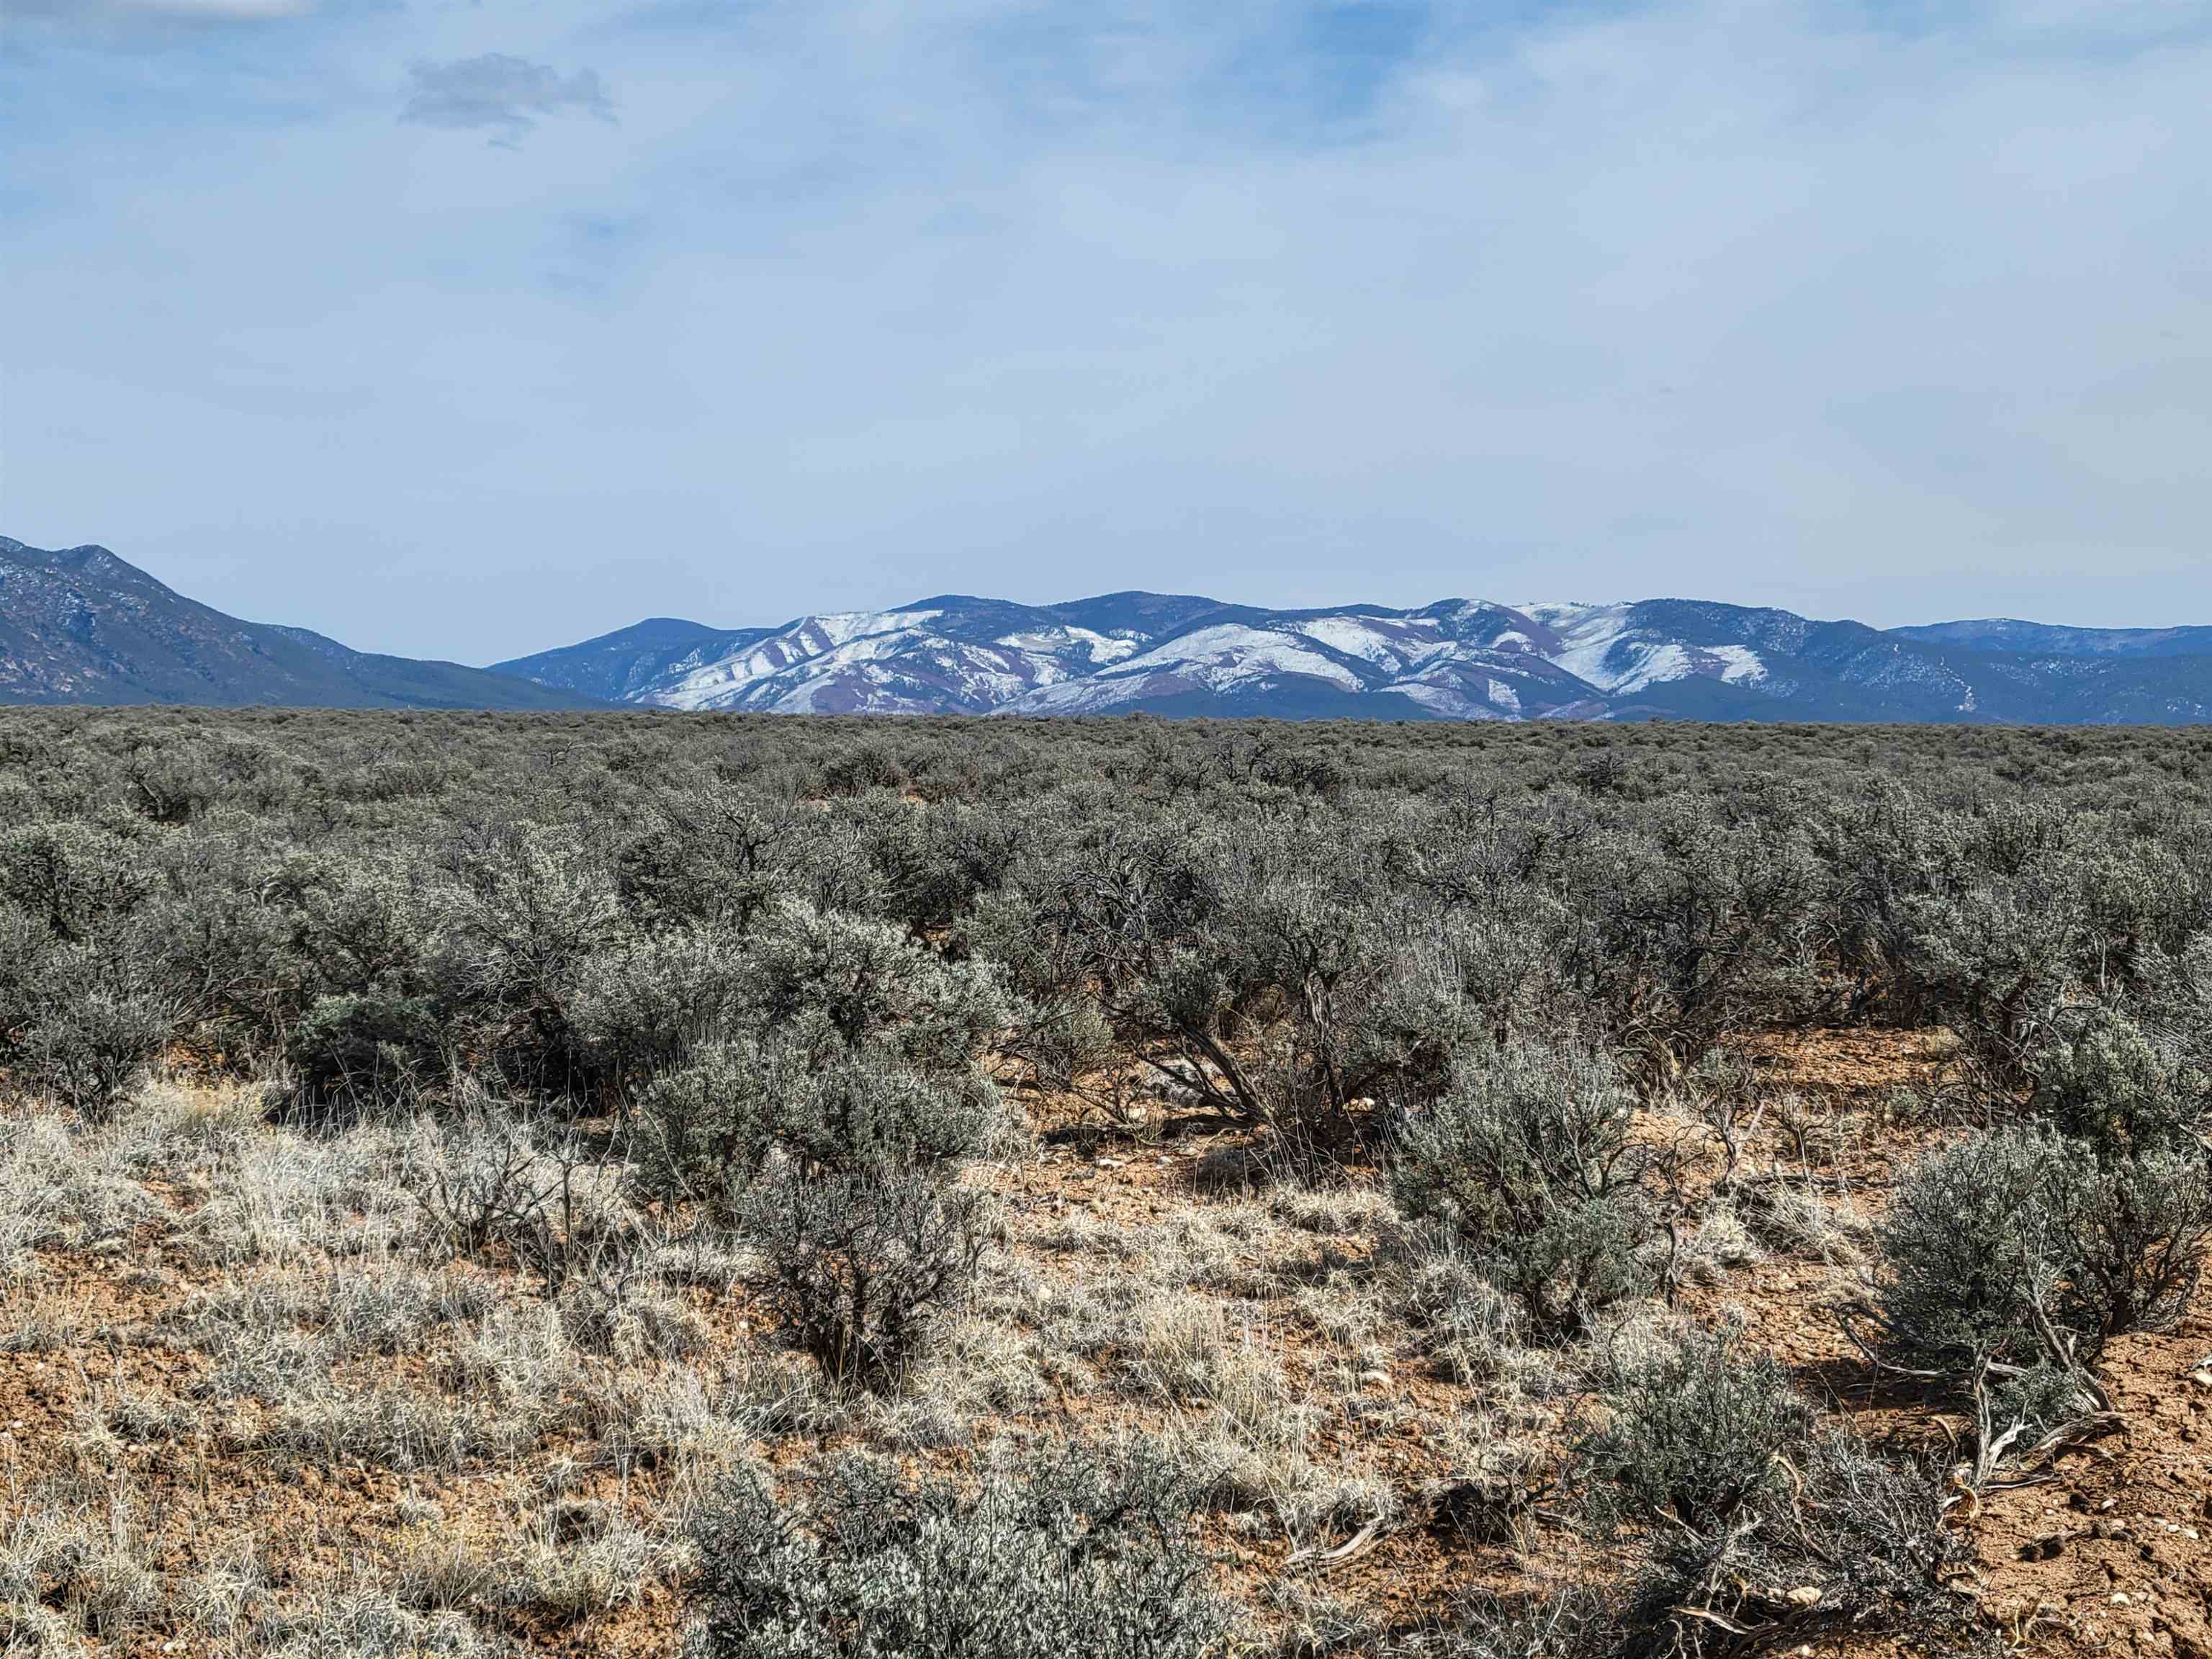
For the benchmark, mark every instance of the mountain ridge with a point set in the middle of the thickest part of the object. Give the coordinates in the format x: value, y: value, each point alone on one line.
x: 82, y: 625
x: 1453, y: 659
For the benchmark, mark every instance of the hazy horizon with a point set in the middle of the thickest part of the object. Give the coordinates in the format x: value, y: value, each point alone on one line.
x: 468, y: 332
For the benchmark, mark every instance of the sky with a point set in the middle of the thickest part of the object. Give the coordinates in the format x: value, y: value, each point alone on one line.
x: 465, y: 329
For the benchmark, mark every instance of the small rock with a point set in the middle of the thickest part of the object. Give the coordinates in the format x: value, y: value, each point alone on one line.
x: 1805, y: 1595
x: 2119, y: 1598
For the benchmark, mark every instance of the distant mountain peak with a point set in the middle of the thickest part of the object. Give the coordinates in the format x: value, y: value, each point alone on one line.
x: 80, y: 625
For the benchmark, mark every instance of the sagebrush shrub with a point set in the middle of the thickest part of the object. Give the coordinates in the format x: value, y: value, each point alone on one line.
x: 1970, y: 1252
x: 861, y: 1113
x: 2018, y: 1254
x: 860, y: 1263
x: 1988, y: 953
x: 703, y: 1130
x: 527, y: 912
x: 73, y: 878
x: 644, y: 1009
x: 1527, y: 1158
x: 2102, y: 1077
x: 365, y: 1049
x: 2134, y: 1234
x: 367, y: 925
x: 1702, y: 916
x: 88, y: 1044
x: 826, y: 982
x: 1696, y: 1431
x: 712, y: 855
x: 1068, y: 1553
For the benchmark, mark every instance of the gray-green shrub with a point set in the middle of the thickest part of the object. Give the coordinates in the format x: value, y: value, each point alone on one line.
x: 1694, y: 1432
x: 1067, y: 1553
x: 1527, y: 1158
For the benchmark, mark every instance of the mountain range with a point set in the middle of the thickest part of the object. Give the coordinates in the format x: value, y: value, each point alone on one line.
x: 80, y: 625
x: 1454, y: 659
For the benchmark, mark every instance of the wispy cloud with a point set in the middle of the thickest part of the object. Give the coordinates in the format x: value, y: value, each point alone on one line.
x: 129, y: 23
x: 504, y: 94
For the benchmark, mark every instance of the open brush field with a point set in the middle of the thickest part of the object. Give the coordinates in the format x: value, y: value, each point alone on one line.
x: 635, y: 1185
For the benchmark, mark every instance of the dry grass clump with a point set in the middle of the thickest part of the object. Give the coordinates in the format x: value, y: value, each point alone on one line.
x: 65, y: 1191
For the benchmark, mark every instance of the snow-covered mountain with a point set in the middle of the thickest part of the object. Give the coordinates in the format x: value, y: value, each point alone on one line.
x: 80, y: 625
x: 1454, y: 660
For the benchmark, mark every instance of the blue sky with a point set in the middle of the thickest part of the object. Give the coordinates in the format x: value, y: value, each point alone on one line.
x: 468, y: 328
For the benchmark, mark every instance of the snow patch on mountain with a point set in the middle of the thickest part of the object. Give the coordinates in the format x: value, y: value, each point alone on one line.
x: 1392, y: 643
x: 1231, y: 653
x: 839, y: 627
x: 1099, y: 648
x: 1611, y: 646
x: 1741, y: 665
